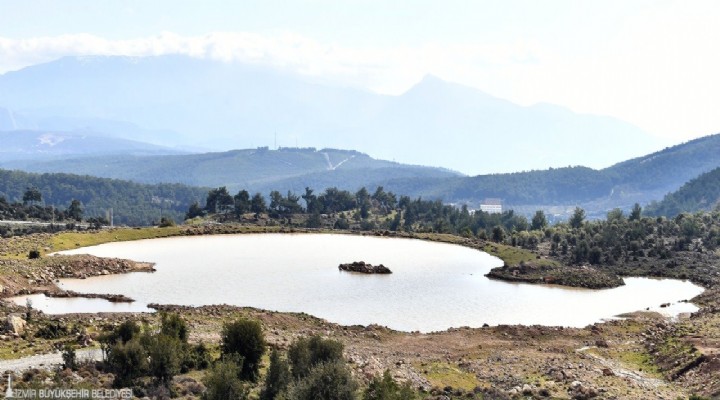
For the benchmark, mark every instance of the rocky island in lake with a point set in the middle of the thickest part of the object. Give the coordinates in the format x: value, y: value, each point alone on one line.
x: 362, y: 267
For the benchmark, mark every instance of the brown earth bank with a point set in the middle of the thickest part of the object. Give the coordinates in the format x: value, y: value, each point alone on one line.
x: 642, y: 357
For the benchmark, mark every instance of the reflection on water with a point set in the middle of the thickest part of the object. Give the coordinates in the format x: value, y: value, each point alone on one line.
x: 63, y: 305
x: 434, y: 286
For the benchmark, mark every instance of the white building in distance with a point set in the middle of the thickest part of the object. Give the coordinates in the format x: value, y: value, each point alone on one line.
x: 491, y: 206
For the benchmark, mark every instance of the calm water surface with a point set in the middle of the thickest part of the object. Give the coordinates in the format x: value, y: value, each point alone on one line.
x: 434, y: 286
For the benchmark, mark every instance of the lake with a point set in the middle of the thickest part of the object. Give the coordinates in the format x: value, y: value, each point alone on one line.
x: 434, y: 286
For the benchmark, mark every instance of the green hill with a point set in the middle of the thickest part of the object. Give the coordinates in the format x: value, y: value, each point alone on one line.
x: 132, y: 203
x: 557, y: 190
x: 700, y: 194
x: 258, y: 169
x: 640, y: 180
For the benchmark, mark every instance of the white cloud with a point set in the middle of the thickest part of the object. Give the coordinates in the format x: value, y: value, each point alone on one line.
x: 657, y: 70
x: 382, y: 69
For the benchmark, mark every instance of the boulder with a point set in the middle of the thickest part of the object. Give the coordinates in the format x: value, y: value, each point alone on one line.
x: 15, y: 324
x: 364, y: 268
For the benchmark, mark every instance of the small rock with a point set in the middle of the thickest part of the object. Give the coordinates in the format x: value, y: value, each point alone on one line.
x: 527, y: 389
x: 15, y: 324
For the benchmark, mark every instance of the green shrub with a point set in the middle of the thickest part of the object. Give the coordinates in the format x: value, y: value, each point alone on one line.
x: 52, y: 330
x: 69, y: 357
x: 386, y: 388
x: 196, y: 357
x: 325, y: 381
x: 164, y: 357
x: 277, y: 378
x: 174, y: 326
x: 244, y: 338
x: 127, y: 361
x: 166, y: 222
x: 126, y: 331
x: 222, y: 381
x: 305, y: 353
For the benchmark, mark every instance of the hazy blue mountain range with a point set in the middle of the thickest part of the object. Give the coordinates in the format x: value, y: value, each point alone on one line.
x: 557, y: 190
x: 37, y: 145
x: 253, y: 169
x: 182, y: 101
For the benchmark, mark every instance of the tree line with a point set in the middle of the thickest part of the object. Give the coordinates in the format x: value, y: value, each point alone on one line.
x: 363, y: 209
x: 628, y: 244
x: 133, y: 204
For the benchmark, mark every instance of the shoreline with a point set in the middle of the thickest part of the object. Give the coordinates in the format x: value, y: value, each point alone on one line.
x: 502, y: 356
x: 242, y: 229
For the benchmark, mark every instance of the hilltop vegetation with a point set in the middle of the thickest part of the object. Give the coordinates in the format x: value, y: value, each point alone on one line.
x: 258, y: 169
x: 639, y: 180
x: 682, y: 247
x: 132, y: 203
x: 700, y: 194
x: 583, y: 253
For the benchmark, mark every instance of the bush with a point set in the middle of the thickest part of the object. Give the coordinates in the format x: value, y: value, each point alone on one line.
x: 305, y: 353
x: 386, y: 388
x: 367, y: 225
x: 126, y: 332
x: 34, y: 254
x: 52, y: 330
x: 314, y: 221
x: 326, y: 381
x: 127, y: 361
x: 69, y: 358
x: 166, y: 222
x: 342, y: 223
x: 244, y: 338
x: 174, y: 326
x: 277, y: 378
x: 222, y: 381
x: 197, y: 357
x: 164, y: 354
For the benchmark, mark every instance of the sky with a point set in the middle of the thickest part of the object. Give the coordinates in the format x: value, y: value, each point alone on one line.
x: 654, y: 64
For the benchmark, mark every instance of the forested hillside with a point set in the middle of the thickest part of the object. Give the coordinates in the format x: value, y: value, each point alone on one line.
x: 639, y: 180
x: 132, y: 203
x: 258, y: 169
x: 700, y: 194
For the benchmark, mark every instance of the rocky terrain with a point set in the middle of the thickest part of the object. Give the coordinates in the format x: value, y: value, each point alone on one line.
x: 530, y: 272
x: 363, y: 268
x: 18, y: 277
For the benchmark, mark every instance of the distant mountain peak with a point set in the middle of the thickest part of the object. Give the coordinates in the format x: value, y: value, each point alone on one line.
x: 182, y: 100
x: 430, y: 78
x: 432, y: 85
